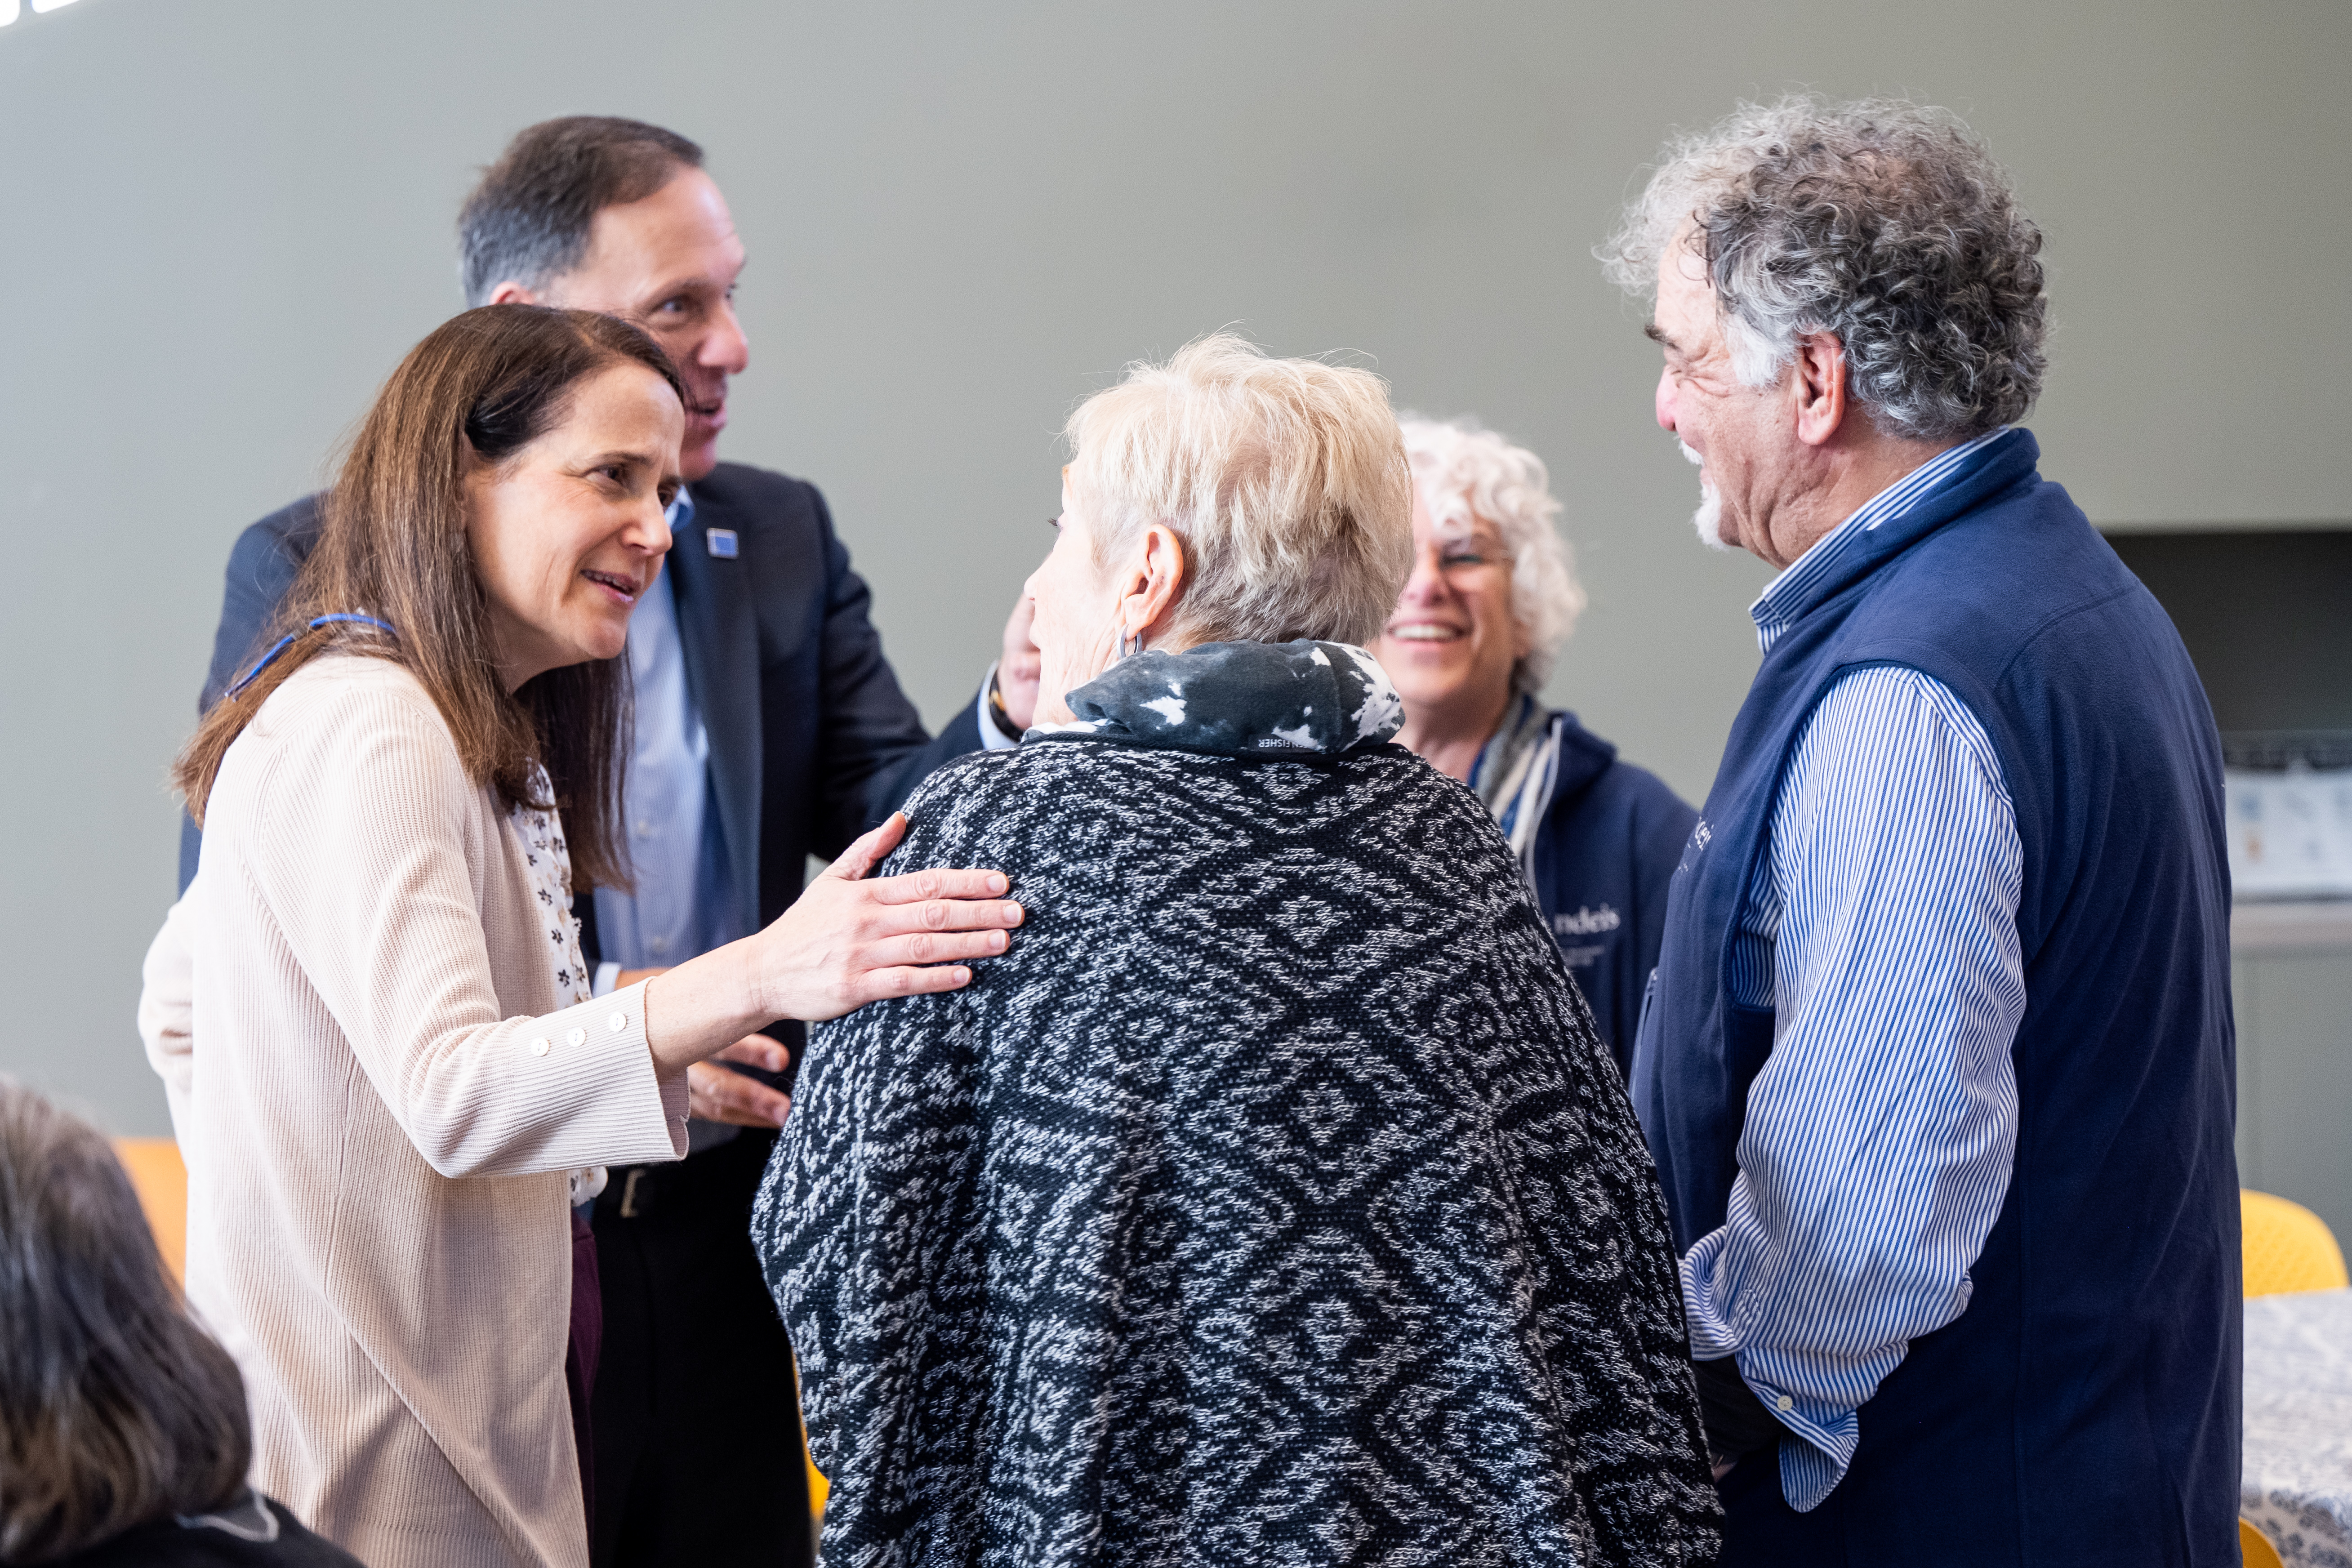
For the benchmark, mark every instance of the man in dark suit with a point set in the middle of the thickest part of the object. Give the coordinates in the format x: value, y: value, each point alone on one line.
x: 768, y: 726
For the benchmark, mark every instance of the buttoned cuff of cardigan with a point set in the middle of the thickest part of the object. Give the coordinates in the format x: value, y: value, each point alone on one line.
x: 634, y: 1116
x: 1825, y: 1433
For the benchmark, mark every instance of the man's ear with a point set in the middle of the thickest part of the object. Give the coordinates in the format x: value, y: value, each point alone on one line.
x: 1819, y: 387
x: 511, y: 292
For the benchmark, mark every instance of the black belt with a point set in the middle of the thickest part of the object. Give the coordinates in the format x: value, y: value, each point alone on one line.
x: 635, y: 1192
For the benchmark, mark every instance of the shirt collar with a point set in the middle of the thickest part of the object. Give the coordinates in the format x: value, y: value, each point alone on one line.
x: 1787, y: 597
x: 681, y: 510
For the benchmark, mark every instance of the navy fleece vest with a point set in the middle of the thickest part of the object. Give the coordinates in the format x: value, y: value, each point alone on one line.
x: 2085, y: 1406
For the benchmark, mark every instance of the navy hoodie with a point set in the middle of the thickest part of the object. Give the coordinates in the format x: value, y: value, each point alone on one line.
x: 1608, y: 846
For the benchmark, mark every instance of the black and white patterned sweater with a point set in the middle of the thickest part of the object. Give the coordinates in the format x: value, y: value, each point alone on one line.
x: 1271, y: 1202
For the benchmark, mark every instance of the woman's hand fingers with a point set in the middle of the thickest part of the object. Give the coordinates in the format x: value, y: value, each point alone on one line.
x: 941, y: 915
x: 763, y: 1051
x: 870, y: 849
x: 878, y: 984
x: 715, y: 1094
x: 920, y: 964
x: 933, y: 947
x: 850, y: 939
x: 915, y: 887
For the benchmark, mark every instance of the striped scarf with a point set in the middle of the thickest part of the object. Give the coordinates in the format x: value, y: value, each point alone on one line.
x: 1514, y: 775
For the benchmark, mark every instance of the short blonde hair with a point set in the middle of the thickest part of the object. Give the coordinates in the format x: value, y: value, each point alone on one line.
x: 1286, y: 479
x: 1465, y: 472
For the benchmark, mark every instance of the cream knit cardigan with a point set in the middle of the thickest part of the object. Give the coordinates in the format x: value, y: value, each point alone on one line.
x: 355, y: 1013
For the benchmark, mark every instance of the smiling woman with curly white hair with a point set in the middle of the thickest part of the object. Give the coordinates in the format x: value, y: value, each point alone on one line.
x: 1492, y: 596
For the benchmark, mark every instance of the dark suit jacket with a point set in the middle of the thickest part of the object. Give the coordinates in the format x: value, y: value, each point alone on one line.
x: 811, y: 738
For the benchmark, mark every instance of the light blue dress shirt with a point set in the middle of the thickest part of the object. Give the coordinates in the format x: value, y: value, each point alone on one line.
x: 685, y: 902
x: 1881, y: 929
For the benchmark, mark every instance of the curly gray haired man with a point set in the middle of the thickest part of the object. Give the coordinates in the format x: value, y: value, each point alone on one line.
x: 1936, y: 1065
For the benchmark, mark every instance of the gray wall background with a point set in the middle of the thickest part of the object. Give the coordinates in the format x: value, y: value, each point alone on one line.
x: 226, y: 221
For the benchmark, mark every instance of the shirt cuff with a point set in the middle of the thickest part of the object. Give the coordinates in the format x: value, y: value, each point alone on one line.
x: 608, y: 975
x: 992, y: 737
x: 1821, y: 1436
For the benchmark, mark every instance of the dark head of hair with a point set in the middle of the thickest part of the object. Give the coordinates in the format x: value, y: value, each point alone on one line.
x: 115, y: 1409
x: 528, y: 220
x: 394, y: 545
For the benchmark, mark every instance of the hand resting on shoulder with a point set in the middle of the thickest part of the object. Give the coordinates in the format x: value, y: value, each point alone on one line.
x: 849, y: 940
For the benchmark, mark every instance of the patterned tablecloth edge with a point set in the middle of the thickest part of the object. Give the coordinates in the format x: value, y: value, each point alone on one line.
x: 2297, y: 1487
x: 2308, y: 1534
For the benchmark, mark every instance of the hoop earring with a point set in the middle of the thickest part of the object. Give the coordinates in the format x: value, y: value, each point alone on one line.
x: 1130, y: 642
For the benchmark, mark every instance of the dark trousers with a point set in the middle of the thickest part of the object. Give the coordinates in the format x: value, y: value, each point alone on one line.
x: 698, y: 1427
x: 1762, y: 1530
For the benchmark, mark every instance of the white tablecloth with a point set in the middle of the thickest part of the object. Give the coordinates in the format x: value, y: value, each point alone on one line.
x: 2298, y: 1479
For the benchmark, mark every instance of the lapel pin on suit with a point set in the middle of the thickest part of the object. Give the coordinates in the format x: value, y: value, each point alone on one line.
x: 720, y: 541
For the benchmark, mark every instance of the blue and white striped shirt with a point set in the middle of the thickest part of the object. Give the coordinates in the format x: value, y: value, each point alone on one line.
x: 1881, y: 928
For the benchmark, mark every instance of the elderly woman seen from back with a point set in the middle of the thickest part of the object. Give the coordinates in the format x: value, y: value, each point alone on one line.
x: 1272, y: 1201
x: 1492, y: 596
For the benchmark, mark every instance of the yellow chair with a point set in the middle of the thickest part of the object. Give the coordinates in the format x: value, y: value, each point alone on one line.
x: 2288, y: 1247
x: 819, y: 1487
x: 2254, y: 1548
x: 160, y: 1180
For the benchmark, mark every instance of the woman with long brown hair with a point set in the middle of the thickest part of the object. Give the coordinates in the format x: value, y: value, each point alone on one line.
x: 387, y: 1074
